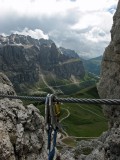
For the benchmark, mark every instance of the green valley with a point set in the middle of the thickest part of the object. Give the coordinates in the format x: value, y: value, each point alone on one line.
x: 85, y: 120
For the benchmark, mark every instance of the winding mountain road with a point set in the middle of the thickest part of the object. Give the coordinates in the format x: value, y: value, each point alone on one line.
x: 68, y: 114
x: 51, y: 88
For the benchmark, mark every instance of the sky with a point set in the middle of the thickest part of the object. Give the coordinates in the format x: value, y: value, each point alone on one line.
x: 81, y: 25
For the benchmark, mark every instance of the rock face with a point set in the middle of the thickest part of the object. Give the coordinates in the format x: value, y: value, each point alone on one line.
x: 109, y: 85
x: 23, y: 59
x: 22, y: 134
x: 68, y: 52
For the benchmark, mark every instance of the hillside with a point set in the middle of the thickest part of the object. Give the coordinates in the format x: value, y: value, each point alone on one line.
x: 84, y: 120
x: 93, y: 65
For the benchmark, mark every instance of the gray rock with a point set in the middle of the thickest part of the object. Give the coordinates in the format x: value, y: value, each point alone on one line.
x: 68, y: 155
x: 69, y: 52
x: 109, y: 85
x: 22, y: 135
x: 6, y: 86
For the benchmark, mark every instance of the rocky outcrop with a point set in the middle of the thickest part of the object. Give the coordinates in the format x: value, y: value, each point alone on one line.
x: 109, y: 85
x: 23, y: 59
x: 22, y: 135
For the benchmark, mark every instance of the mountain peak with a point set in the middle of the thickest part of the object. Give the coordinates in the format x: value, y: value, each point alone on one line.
x: 17, y: 39
x: 68, y: 52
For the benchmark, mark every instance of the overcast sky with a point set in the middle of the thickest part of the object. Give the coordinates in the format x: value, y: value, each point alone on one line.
x: 82, y: 25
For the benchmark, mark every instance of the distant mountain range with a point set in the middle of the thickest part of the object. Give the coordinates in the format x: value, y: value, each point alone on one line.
x: 93, y: 65
x: 30, y: 63
x: 68, y: 52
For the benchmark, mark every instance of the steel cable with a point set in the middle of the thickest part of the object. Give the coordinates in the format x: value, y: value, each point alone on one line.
x: 67, y: 100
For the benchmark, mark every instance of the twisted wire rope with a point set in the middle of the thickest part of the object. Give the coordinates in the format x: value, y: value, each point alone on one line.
x: 66, y: 100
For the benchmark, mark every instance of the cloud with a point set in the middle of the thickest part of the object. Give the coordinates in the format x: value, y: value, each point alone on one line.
x: 112, y: 9
x: 101, y: 19
x: 82, y: 25
x: 37, y: 33
x: 97, y: 35
x: 85, y: 45
x: 33, y: 8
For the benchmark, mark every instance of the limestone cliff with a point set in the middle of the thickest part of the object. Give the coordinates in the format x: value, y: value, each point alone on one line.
x: 24, y: 59
x: 22, y: 134
x: 109, y: 85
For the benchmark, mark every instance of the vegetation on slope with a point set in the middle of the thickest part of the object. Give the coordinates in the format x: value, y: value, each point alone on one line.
x: 93, y: 65
x: 85, y: 120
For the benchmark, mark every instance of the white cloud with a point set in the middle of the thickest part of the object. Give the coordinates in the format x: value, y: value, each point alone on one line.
x: 96, y: 18
x: 73, y: 23
x: 97, y: 35
x: 50, y: 7
x: 98, y: 22
x: 36, y: 7
x: 37, y: 33
x: 95, y: 5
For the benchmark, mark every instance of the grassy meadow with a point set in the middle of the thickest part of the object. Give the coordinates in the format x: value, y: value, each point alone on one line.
x: 85, y: 120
